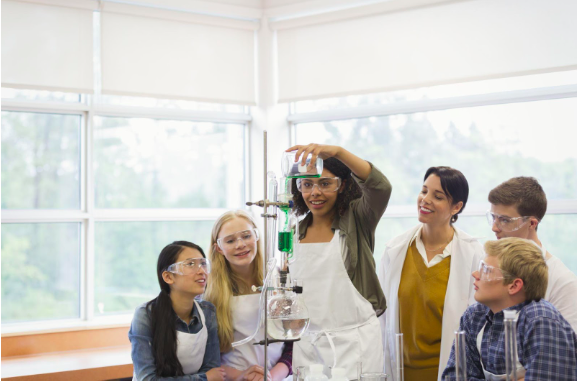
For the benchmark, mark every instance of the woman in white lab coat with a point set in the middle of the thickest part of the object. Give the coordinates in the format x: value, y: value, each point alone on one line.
x: 425, y: 274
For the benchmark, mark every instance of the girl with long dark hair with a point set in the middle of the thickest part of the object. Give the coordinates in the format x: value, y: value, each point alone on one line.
x: 173, y: 336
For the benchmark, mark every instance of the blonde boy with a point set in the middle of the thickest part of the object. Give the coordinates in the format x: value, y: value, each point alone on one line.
x: 513, y: 276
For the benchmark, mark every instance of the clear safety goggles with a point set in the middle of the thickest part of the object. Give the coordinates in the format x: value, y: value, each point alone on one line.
x: 489, y: 273
x: 230, y: 241
x: 190, y: 266
x: 506, y: 224
x: 325, y: 184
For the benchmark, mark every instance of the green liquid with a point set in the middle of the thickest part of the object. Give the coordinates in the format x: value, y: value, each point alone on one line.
x: 285, y: 241
x: 304, y: 176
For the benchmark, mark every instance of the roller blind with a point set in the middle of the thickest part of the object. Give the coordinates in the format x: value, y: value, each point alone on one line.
x: 175, y: 58
x: 455, y: 42
x: 46, y: 47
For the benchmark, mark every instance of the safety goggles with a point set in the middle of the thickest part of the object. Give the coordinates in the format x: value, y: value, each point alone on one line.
x: 506, y: 224
x: 230, y: 241
x: 324, y: 184
x: 190, y: 266
x: 489, y: 273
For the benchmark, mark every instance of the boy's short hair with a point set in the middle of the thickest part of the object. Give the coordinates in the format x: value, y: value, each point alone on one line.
x: 521, y: 258
x: 524, y: 193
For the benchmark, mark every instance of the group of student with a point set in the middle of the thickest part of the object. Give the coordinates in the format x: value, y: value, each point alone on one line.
x: 433, y: 280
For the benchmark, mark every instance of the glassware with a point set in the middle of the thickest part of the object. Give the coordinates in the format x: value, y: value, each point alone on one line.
x: 399, y: 350
x: 300, y: 373
x: 293, y: 169
x: 510, y: 345
x: 373, y: 377
x: 288, y: 317
x: 460, y: 356
x: 339, y: 374
x: 316, y: 373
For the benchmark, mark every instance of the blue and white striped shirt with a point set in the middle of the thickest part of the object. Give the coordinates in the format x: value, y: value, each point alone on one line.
x: 547, y: 345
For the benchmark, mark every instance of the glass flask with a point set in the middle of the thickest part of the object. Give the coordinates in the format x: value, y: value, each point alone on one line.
x: 288, y: 317
x: 510, y: 345
x: 296, y: 170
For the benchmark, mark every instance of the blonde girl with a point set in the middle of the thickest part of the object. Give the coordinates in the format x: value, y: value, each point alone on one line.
x: 237, y: 265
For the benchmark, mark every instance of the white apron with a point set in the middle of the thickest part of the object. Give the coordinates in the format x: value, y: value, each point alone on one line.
x: 496, y: 377
x: 190, y: 347
x: 244, y: 319
x: 344, y: 328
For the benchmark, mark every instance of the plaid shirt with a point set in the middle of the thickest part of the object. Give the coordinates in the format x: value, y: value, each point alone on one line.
x: 547, y: 345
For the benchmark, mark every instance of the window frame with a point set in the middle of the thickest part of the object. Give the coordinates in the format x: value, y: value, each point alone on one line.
x: 88, y: 215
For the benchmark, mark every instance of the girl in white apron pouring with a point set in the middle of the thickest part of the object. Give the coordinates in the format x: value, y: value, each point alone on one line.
x: 174, y: 336
x: 237, y: 262
x: 335, y: 260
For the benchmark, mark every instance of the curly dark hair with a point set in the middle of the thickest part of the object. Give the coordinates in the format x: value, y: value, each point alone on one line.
x: 350, y: 192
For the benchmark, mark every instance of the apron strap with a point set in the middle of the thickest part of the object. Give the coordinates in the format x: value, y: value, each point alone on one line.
x: 328, y: 334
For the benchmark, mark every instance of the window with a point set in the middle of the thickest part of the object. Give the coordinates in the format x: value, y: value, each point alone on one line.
x: 148, y: 163
x: 40, y: 271
x: 40, y: 160
x: 92, y: 192
x: 489, y: 143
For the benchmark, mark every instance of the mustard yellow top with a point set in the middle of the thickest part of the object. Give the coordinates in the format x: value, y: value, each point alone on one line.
x: 421, y: 301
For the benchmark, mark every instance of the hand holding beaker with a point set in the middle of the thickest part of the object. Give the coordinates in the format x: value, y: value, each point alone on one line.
x: 315, y: 150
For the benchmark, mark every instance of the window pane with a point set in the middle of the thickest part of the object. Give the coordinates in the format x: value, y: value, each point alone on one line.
x: 39, y: 95
x: 489, y: 144
x: 126, y: 256
x: 388, y: 229
x: 171, y: 104
x: 147, y: 163
x: 443, y: 91
x: 40, y: 161
x: 40, y: 271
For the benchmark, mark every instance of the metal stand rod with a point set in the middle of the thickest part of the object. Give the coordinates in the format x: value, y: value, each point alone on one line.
x: 265, y: 208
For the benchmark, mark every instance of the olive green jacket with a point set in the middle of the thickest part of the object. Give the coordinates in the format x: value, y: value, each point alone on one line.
x: 357, y: 226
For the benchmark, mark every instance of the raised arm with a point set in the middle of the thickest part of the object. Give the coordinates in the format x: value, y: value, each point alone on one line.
x: 358, y: 166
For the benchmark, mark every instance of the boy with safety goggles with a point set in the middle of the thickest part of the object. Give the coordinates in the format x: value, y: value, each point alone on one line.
x: 513, y: 276
x: 517, y: 209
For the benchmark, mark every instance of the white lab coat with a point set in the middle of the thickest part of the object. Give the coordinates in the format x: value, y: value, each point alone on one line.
x: 465, y: 256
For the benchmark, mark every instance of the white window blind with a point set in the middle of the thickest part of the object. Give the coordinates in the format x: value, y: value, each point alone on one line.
x: 454, y: 42
x: 177, y: 59
x: 46, y: 47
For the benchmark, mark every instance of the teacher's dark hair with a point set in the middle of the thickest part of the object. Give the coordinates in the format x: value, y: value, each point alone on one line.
x: 454, y: 185
x: 162, y: 315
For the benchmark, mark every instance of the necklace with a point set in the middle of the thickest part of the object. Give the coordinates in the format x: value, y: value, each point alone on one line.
x: 440, y: 247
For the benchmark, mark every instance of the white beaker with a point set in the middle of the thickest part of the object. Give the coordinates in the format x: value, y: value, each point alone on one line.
x: 293, y: 169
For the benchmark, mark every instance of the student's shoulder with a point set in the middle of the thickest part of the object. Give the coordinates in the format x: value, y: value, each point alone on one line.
x: 477, y: 309
x: 144, y: 309
x: 538, y: 310
x: 559, y: 273
x: 475, y: 312
x: 207, y: 306
x: 141, y: 320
